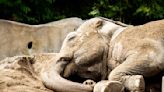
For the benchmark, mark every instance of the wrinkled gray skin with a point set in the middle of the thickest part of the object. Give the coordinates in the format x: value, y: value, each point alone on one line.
x: 51, y: 72
x: 87, y: 58
x: 99, y: 46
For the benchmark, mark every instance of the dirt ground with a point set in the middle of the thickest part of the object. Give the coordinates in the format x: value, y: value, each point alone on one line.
x: 17, y: 75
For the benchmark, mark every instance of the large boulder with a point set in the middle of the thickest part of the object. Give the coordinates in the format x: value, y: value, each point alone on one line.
x: 23, y: 39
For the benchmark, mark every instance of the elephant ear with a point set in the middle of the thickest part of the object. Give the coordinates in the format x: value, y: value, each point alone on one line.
x: 108, y: 28
x: 94, y: 23
x: 98, y: 23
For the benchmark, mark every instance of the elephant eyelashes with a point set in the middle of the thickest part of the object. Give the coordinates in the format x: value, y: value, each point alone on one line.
x: 71, y: 38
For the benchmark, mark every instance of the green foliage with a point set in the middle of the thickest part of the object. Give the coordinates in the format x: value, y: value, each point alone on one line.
x: 129, y: 11
x: 42, y: 11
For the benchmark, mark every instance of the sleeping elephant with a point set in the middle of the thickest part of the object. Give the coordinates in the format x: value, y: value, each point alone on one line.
x: 102, y: 49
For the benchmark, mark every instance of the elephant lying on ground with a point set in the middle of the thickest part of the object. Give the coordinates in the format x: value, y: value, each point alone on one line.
x: 32, y: 74
x: 103, y: 49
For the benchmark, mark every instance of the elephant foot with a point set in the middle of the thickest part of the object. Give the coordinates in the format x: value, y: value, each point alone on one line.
x: 109, y: 86
x: 135, y: 83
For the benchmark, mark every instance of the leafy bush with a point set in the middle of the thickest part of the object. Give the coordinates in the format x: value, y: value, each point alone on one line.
x: 42, y: 11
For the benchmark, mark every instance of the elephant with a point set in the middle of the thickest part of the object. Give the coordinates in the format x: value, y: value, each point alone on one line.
x: 37, y: 73
x: 114, y: 54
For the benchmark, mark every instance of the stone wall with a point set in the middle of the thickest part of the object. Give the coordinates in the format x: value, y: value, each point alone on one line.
x: 23, y: 39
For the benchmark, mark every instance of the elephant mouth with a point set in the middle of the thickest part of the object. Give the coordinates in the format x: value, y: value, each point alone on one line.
x: 76, y: 78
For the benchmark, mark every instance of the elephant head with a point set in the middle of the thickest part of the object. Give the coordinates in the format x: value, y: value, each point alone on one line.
x: 50, y: 67
x: 87, y: 49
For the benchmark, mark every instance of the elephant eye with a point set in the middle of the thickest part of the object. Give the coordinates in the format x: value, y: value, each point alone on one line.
x: 71, y: 36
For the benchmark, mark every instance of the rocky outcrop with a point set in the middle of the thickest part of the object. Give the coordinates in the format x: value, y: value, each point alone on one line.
x: 23, y: 39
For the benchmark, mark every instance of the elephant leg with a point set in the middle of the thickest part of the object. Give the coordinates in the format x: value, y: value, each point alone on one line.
x: 108, y: 86
x: 130, y: 71
x: 134, y: 83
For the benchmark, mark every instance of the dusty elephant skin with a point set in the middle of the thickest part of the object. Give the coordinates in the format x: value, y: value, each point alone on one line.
x: 23, y: 39
x: 38, y: 73
x: 102, y: 48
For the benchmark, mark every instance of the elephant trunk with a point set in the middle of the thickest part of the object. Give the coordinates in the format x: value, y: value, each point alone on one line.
x: 53, y: 80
